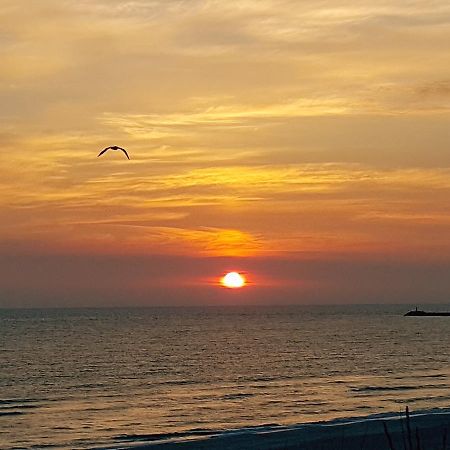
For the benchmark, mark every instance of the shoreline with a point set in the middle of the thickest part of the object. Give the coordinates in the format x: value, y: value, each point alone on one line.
x: 356, y: 433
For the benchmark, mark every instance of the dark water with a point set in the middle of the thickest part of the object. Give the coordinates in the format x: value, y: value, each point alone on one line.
x: 104, y: 377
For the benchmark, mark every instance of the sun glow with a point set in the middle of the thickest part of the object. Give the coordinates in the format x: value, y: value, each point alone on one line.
x: 233, y: 280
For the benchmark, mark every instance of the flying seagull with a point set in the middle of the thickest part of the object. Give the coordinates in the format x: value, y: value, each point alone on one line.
x: 113, y: 147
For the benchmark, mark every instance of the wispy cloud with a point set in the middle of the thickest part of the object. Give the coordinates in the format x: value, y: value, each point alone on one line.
x: 255, y: 128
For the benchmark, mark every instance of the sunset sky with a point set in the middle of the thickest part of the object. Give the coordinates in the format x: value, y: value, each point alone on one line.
x: 303, y: 143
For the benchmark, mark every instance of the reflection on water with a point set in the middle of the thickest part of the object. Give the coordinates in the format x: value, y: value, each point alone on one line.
x: 77, y: 378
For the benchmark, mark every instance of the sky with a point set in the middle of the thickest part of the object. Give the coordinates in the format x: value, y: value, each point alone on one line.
x: 305, y: 144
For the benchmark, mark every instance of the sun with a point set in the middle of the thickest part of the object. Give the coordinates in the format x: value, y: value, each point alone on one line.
x: 233, y: 280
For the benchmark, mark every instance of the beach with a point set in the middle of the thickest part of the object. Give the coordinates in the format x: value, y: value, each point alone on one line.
x: 427, y: 430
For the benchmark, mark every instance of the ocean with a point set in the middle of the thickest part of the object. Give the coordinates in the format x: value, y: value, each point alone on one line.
x: 111, y: 378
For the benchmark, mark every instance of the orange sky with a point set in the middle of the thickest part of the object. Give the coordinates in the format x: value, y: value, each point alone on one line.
x: 306, y: 143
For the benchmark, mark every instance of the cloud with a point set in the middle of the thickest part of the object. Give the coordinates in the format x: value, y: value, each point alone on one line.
x: 259, y: 128
x: 238, y: 210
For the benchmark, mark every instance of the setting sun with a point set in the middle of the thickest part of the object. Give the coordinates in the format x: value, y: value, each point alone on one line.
x: 233, y: 280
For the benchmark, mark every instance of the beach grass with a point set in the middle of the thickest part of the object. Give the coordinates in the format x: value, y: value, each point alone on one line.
x: 411, y: 437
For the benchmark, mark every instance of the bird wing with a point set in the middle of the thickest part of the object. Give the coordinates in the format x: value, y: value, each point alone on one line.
x: 124, y: 152
x: 103, y: 151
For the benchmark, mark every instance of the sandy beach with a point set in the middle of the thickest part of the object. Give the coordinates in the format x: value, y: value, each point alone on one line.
x: 432, y: 429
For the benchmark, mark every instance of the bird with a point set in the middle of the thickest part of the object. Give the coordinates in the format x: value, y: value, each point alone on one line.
x: 113, y: 147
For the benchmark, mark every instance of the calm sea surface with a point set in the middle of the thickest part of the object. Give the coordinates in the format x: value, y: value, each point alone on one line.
x: 105, y: 377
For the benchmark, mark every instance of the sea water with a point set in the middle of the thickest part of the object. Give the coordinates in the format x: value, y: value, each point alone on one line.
x: 81, y: 378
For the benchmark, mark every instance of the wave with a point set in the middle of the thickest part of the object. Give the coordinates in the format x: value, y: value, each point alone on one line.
x: 25, y: 406
x: 163, y: 436
x: 176, y: 383
x: 236, y: 396
x: 397, y: 388
x: 18, y: 407
x: 12, y: 401
x: 11, y: 413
